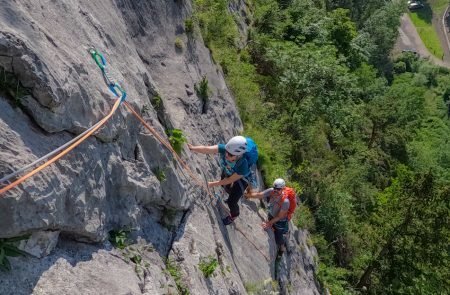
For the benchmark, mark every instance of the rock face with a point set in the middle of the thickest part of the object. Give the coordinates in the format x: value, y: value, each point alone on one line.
x: 122, y: 177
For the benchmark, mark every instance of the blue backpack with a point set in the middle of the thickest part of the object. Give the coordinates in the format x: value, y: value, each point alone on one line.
x: 251, y: 155
x: 252, y: 152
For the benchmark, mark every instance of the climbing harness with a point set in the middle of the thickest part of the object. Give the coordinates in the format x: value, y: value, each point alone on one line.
x: 121, y: 95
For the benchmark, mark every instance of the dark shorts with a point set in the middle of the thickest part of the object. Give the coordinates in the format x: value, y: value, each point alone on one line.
x: 281, y: 230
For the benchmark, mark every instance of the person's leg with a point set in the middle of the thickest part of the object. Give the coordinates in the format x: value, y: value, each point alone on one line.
x: 279, y: 241
x: 281, y: 229
x: 237, y: 191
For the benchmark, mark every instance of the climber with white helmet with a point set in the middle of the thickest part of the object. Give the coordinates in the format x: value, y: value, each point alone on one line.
x: 282, y: 203
x: 235, y: 168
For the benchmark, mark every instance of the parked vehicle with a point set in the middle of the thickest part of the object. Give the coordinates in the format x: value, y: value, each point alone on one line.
x: 410, y: 51
x: 415, y: 5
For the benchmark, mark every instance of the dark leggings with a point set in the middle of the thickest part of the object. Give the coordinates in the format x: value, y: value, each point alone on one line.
x: 235, y: 192
x: 281, y: 228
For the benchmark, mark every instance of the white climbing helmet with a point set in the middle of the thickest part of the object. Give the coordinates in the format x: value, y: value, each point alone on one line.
x: 236, y: 146
x: 279, y: 183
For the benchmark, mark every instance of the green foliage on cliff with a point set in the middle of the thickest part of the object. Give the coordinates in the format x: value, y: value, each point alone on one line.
x: 366, y: 136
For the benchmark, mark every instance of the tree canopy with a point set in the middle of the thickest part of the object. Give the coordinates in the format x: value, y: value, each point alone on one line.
x: 363, y: 135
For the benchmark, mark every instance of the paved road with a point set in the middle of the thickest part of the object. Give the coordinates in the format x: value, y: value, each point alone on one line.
x: 409, y: 39
x: 441, y: 31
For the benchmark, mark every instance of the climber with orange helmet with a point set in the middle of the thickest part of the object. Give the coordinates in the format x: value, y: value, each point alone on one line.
x: 282, y: 203
x: 235, y: 169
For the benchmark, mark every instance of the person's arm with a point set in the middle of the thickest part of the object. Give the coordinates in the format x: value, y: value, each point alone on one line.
x: 259, y: 195
x: 204, y: 149
x: 254, y: 195
x: 234, y: 177
x: 268, y: 224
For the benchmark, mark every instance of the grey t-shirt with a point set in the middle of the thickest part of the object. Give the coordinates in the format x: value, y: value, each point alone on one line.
x: 275, y: 204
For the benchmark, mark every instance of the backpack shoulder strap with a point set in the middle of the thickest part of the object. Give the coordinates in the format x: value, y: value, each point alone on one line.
x: 239, y: 162
x: 283, y: 197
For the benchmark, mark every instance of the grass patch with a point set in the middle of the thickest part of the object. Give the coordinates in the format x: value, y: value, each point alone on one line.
x: 208, y: 265
x: 176, y: 139
x: 189, y: 25
x: 174, y: 270
x: 179, y: 43
x: 119, y: 238
x: 157, y: 102
x: 160, y: 174
x: 202, y: 89
x: 11, y: 86
x: 251, y: 288
x: 438, y: 6
x: 262, y: 287
x: 422, y: 21
x: 134, y: 255
x: 8, y: 248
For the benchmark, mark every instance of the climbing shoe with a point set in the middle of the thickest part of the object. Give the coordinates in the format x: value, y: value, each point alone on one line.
x: 227, y: 220
x: 279, y: 254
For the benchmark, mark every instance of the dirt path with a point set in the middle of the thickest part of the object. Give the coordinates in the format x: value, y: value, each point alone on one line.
x: 409, y: 39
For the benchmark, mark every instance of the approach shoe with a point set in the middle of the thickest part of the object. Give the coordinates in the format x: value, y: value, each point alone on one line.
x: 279, y: 255
x: 227, y: 220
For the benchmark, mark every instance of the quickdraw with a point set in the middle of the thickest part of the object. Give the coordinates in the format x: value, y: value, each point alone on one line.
x: 110, y: 82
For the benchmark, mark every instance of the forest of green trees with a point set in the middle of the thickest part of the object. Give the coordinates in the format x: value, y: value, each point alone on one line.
x: 362, y: 135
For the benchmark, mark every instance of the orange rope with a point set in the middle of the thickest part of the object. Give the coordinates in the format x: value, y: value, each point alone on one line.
x: 186, y: 167
x: 64, y: 152
x: 167, y: 144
